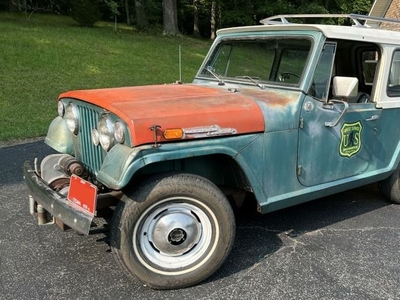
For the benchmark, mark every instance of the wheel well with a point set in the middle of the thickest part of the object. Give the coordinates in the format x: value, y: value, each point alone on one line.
x: 220, y: 169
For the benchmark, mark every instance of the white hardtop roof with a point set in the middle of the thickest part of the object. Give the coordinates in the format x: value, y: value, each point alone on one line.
x: 357, y: 32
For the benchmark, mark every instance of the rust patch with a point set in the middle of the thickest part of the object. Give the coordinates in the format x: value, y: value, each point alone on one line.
x: 273, y: 98
x: 178, y: 106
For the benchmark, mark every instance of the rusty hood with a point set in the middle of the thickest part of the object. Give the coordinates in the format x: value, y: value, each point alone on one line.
x: 199, y: 110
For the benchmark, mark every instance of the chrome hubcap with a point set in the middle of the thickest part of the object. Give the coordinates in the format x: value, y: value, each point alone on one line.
x: 174, y: 231
x: 174, y: 235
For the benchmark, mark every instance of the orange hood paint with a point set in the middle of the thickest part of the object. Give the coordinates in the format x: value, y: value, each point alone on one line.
x: 175, y: 106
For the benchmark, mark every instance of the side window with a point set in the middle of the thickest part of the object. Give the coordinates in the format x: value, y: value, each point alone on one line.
x: 322, y: 77
x: 369, y: 62
x: 393, y: 87
x: 352, y: 67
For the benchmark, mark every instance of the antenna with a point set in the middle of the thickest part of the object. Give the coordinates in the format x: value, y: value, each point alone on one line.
x: 180, y: 65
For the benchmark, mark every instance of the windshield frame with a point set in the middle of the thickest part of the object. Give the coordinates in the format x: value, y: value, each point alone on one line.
x: 204, y: 75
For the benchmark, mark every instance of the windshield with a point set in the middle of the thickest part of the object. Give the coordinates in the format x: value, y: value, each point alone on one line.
x: 279, y: 59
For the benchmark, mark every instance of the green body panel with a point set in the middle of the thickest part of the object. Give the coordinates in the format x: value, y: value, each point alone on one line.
x: 59, y: 137
x: 122, y: 162
x: 320, y: 146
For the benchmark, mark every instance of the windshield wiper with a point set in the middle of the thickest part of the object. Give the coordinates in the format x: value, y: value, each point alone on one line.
x: 261, y: 86
x: 209, y: 70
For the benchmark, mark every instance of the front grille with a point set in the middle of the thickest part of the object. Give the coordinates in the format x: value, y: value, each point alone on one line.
x: 90, y: 155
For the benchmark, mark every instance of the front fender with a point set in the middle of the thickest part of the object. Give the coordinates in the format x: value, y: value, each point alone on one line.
x: 122, y: 162
x: 59, y: 137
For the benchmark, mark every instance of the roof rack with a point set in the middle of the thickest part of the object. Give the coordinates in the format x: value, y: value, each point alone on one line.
x: 282, y: 19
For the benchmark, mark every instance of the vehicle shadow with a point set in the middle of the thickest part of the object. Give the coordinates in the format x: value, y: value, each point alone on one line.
x: 260, y: 236
x: 12, y: 159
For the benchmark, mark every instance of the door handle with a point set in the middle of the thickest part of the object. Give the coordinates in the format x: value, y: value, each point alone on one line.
x: 373, y: 118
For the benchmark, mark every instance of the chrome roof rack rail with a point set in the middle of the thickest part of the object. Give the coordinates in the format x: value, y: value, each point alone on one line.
x: 282, y: 19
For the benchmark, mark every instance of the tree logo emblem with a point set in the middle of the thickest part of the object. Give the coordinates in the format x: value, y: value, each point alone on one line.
x: 350, y: 142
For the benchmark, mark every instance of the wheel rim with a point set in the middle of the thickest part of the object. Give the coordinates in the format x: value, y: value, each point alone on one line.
x: 175, y: 236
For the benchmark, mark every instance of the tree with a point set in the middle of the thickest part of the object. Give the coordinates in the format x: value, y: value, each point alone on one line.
x: 357, y: 6
x: 213, y: 19
x: 113, y: 6
x: 127, y: 10
x: 141, y: 19
x: 197, y: 17
x: 170, y: 17
x: 196, y: 28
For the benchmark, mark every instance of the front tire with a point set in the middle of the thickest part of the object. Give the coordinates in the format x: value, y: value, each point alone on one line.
x: 174, y: 231
x: 390, y: 187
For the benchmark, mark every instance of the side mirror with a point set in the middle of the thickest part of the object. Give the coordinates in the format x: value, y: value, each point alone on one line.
x: 344, y: 87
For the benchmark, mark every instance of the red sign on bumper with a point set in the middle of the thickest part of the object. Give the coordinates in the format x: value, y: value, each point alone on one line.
x: 83, y: 194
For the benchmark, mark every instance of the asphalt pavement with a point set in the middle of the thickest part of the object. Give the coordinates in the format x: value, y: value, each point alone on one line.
x: 346, y: 246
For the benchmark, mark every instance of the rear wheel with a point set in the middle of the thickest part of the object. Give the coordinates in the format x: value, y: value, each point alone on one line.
x: 390, y: 187
x: 173, y: 231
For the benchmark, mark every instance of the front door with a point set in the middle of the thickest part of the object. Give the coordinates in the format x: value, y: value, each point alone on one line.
x: 337, y: 139
x: 333, y: 146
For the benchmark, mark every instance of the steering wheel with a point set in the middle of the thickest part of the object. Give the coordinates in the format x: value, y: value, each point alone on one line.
x: 286, y: 75
x: 363, y: 98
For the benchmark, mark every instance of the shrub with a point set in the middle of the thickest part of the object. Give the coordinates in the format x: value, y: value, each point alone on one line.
x: 85, y: 12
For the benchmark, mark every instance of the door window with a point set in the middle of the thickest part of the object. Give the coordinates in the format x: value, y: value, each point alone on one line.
x: 323, y: 73
x: 393, y: 87
x: 369, y: 62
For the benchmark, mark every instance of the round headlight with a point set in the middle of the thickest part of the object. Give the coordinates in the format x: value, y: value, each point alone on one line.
x: 119, y: 132
x: 60, y: 108
x: 105, y: 128
x: 72, y: 118
x: 95, y: 137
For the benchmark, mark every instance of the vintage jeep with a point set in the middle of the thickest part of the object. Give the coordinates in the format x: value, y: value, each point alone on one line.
x: 281, y: 112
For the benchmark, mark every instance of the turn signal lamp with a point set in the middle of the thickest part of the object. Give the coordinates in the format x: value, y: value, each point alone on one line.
x: 173, y: 133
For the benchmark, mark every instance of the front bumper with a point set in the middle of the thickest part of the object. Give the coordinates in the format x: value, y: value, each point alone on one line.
x: 56, y: 204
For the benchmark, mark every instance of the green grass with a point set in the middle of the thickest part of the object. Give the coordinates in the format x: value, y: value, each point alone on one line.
x: 46, y: 55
